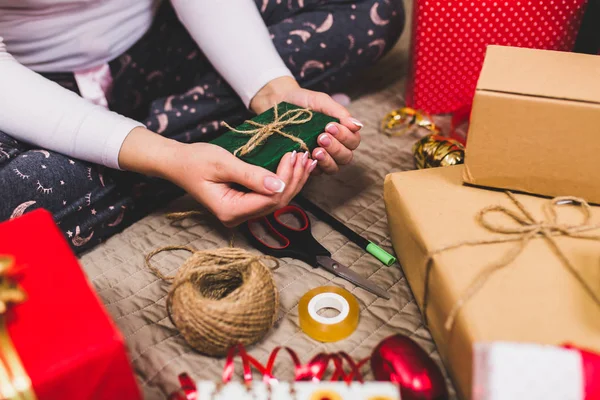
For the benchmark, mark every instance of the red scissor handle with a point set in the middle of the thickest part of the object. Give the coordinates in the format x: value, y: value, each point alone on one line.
x: 272, y: 231
x: 294, y: 210
x: 294, y: 242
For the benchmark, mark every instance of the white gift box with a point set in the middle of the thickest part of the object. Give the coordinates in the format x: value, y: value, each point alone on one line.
x: 298, y: 391
x: 517, y: 371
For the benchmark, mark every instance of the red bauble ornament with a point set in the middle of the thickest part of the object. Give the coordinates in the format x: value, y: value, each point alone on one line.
x: 401, y: 360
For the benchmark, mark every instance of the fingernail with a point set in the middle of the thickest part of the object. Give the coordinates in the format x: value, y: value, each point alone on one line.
x: 357, y: 122
x: 312, y: 166
x: 320, y: 155
x: 293, y: 158
x: 304, y: 158
x: 324, y: 140
x: 332, y: 128
x: 274, y: 184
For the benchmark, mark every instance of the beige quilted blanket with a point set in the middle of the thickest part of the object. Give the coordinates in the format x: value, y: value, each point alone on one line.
x: 135, y: 298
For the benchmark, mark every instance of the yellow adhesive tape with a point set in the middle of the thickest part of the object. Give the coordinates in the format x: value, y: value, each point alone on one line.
x: 328, y: 329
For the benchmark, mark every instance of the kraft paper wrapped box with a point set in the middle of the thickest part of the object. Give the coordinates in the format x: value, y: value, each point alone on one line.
x: 534, y: 123
x: 533, y: 299
x: 268, y: 153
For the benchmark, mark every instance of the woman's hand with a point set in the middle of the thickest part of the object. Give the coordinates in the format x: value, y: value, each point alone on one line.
x: 337, y: 142
x: 213, y: 176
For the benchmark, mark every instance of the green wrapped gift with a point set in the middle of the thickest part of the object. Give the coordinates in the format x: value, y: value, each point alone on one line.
x: 264, y: 139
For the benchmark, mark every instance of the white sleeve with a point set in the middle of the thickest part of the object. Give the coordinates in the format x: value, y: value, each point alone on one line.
x: 234, y: 38
x: 38, y: 111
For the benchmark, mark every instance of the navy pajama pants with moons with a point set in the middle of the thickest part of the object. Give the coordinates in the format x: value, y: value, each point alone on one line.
x: 165, y: 82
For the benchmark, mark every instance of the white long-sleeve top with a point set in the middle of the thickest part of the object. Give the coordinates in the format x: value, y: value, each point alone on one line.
x: 75, y: 35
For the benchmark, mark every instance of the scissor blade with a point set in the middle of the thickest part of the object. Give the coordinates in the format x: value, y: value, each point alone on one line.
x: 346, y: 273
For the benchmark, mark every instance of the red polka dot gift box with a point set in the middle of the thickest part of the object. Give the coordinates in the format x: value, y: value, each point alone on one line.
x: 450, y: 38
x: 56, y: 340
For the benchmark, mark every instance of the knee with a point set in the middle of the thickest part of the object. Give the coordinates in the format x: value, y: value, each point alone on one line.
x: 387, y: 19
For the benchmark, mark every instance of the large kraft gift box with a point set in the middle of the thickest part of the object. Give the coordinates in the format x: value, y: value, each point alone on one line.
x: 535, y: 122
x: 533, y: 299
x: 67, y: 344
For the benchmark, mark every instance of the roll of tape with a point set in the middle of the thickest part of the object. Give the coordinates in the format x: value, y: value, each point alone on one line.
x: 328, y: 329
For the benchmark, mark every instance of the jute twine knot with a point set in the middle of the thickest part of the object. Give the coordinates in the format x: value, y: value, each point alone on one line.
x: 263, y: 131
x: 219, y: 298
x: 527, y: 228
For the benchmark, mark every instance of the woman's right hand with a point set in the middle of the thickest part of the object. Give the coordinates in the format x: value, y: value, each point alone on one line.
x: 213, y: 176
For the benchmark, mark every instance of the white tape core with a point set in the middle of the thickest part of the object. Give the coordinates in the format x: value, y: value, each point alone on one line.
x: 328, y: 300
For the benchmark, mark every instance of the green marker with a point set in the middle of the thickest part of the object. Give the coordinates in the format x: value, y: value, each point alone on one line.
x: 370, y: 247
x: 379, y: 253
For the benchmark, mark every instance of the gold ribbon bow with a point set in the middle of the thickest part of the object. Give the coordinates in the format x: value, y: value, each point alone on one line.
x: 528, y: 228
x: 15, y: 384
x: 404, y: 120
x: 263, y: 131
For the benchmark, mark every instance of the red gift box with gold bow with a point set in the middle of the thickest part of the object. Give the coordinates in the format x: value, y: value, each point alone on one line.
x: 450, y: 38
x: 56, y: 340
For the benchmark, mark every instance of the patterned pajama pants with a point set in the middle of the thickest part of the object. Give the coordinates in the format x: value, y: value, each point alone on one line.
x: 165, y: 82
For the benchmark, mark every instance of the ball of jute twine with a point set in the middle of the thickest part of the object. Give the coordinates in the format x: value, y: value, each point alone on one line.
x: 222, y: 297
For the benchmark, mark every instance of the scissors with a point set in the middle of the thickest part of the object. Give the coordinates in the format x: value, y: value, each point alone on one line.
x: 299, y: 243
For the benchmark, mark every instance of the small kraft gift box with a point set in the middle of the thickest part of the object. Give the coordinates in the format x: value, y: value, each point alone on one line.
x: 487, y: 266
x: 534, y: 124
x: 56, y: 340
x: 449, y: 39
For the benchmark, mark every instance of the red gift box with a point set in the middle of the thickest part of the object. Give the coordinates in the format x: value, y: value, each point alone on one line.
x: 68, y: 345
x: 450, y: 38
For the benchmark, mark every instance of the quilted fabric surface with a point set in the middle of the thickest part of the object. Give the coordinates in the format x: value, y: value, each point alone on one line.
x: 135, y: 298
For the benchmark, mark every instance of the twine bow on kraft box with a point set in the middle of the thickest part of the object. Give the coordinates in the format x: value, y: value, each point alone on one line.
x: 266, y: 138
x: 489, y: 266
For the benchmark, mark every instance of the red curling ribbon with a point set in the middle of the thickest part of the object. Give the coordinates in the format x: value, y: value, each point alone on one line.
x: 359, y: 366
x: 397, y: 359
x: 338, y: 365
x: 188, y: 386
x: 354, y: 372
x: 187, y: 390
x: 229, y: 368
x: 590, y: 367
x: 268, y: 373
x: 314, y: 369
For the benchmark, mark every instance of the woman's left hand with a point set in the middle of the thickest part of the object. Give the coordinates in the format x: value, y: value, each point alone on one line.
x: 337, y: 142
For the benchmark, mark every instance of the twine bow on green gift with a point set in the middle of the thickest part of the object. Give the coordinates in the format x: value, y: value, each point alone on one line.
x: 266, y: 138
x: 262, y: 132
